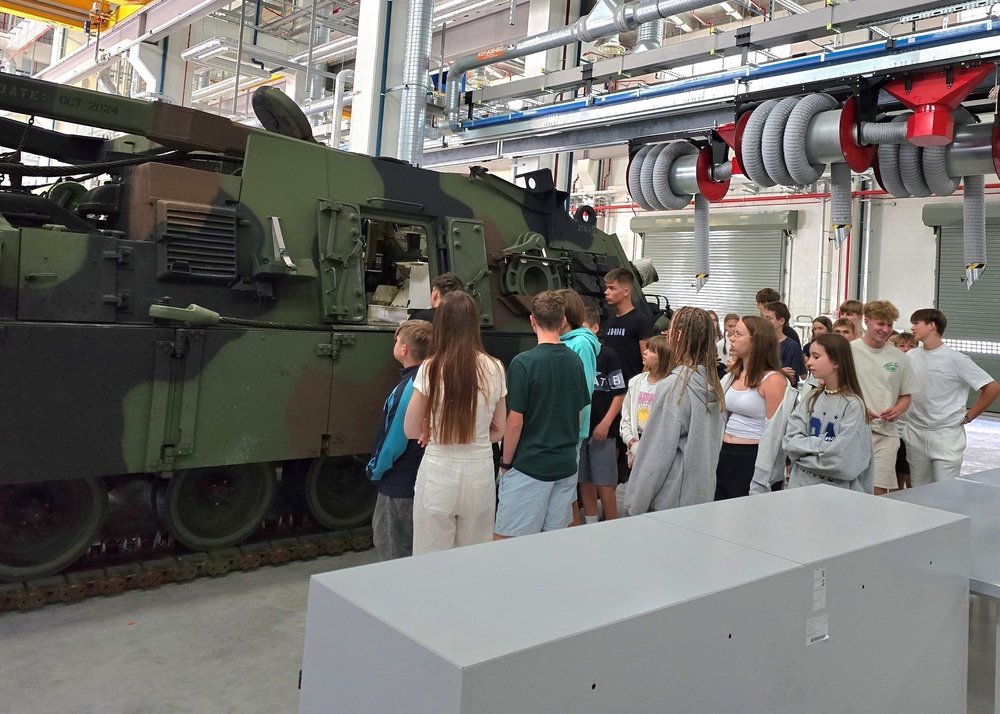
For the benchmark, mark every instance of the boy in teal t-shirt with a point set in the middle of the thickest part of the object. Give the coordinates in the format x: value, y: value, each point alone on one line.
x: 546, y: 392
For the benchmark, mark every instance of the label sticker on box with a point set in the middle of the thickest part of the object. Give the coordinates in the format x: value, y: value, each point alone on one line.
x: 819, y: 589
x: 817, y: 629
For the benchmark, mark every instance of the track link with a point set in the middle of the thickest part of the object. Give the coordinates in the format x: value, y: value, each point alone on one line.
x: 124, y: 573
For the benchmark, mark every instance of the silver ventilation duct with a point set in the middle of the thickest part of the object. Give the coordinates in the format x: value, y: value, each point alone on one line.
x: 317, y: 82
x: 413, y: 104
x: 650, y: 36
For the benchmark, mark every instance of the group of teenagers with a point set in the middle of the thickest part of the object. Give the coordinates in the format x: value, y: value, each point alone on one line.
x: 683, y: 417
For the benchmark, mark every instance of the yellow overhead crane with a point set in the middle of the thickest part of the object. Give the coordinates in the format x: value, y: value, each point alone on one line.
x: 87, y: 15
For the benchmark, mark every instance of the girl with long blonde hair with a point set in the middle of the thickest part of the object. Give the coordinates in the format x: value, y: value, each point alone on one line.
x: 457, y: 410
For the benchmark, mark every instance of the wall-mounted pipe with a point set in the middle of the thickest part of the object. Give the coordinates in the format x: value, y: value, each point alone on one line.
x: 609, y: 18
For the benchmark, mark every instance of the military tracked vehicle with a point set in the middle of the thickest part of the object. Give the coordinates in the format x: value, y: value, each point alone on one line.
x: 206, y: 316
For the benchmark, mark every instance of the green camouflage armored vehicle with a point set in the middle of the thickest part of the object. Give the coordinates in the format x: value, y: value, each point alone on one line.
x: 282, y: 245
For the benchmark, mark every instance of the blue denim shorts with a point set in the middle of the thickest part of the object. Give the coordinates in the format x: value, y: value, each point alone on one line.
x: 526, y: 505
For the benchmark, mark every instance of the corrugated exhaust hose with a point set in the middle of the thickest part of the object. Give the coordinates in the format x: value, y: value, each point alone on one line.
x: 646, y: 177
x: 799, y: 167
x: 841, y: 208
x: 661, y: 175
x: 773, y: 142
x: 974, y: 213
x: 701, y: 241
x: 888, y: 164
x: 753, y: 159
x: 633, y: 178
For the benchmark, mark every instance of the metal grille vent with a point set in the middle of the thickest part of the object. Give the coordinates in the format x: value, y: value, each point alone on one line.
x: 196, y: 241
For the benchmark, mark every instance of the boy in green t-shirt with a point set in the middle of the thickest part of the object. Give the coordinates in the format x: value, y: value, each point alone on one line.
x: 546, y: 392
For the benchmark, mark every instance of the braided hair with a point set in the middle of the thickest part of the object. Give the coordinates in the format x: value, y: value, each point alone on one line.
x: 692, y: 345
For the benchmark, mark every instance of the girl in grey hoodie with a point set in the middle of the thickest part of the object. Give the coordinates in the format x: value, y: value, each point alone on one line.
x: 828, y: 438
x: 680, y: 445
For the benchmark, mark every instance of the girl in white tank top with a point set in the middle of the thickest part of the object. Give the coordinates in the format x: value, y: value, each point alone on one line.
x: 753, y: 395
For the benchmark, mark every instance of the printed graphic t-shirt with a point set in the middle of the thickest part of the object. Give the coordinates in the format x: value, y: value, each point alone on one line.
x: 884, y: 375
x: 608, y: 384
x: 647, y: 395
x: 623, y: 334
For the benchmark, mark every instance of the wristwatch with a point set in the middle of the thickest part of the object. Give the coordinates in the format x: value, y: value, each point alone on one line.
x: 967, y: 420
x: 505, y: 466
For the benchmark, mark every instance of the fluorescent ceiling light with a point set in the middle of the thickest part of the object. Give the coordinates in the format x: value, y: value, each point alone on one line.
x: 731, y: 11
x: 680, y: 23
x: 792, y: 6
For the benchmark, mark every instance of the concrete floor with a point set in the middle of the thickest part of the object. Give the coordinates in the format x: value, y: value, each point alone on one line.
x: 211, y: 646
x: 983, y: 452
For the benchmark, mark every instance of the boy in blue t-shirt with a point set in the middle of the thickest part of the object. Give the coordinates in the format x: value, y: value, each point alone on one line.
x: 395, y: 459
x: 546, y: 393
x: 793, y: 366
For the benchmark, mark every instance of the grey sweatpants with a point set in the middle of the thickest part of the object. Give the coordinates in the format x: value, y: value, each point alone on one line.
x: 392, y: 527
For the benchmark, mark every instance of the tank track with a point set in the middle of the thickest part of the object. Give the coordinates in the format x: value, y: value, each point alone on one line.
x: 112, y: 568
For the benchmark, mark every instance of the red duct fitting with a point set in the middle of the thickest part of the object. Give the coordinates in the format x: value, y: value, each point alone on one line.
x: 727, y: 132
x: 933, y: 97
x: 858, y: 157
x: 714, y: 191
x: 741, y: 125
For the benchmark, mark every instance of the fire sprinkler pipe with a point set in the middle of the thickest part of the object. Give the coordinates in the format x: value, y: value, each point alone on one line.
x: 609, y: 17
x: 785, y: 197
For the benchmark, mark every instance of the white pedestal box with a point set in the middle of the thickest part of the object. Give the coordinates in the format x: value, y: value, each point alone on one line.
x: 890, y: 582
x: 646, y: 615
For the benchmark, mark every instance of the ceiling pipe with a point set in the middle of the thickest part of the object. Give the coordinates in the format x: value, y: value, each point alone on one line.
x: 328, y: 50
x: 341, y: 46
x: 293, y: 16
x: 338, y: 104
x: 607, y: 18
x: 320, y: 35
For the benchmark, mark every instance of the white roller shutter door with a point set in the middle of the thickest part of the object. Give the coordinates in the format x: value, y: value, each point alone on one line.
x: 742, y: 262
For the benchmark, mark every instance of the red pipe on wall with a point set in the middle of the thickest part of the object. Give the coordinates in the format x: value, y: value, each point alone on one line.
x: 777, y: 197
